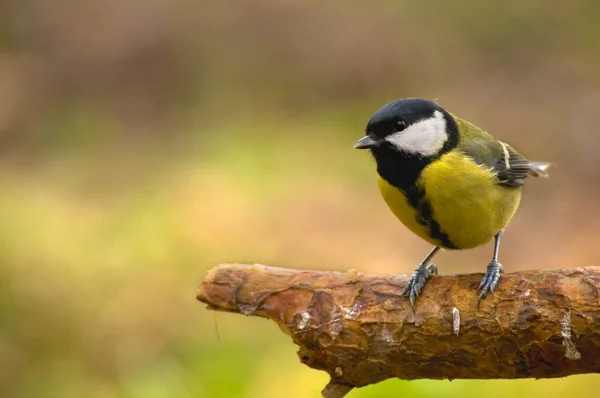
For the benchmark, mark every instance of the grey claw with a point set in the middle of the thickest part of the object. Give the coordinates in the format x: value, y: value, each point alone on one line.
x: 417, y: 281
x: 432, y: 269
x: 490, y: 279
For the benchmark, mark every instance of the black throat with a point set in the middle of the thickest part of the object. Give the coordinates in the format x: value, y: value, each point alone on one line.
x: 400, y: 170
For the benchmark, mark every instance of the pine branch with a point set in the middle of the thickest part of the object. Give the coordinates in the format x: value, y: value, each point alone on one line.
x: 360, y: 330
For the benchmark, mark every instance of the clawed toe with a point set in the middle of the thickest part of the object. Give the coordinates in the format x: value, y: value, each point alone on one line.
x: 432, y: 269
x: 490, y: 279
x: 417, y: 281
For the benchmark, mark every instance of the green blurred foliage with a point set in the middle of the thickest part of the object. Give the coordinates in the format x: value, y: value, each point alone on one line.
x: 143, y: 142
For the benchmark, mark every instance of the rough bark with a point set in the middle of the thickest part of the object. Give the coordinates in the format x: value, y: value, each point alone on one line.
x: 360, y: 330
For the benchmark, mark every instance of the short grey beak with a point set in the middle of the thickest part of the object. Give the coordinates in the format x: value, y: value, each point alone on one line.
x: 365, y: 143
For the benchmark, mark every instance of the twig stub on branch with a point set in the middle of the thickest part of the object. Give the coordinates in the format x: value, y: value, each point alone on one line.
x: 359, y: 329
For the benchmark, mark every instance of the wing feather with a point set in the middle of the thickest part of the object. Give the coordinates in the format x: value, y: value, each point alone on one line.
x: 511, y: 168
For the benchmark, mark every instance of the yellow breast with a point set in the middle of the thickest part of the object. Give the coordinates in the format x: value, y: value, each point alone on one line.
x: 463, y: 198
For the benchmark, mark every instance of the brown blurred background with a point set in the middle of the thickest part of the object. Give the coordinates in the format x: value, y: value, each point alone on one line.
x: 144, y: 141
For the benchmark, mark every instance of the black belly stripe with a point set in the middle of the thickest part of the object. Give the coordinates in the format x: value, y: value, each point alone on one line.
x: 424, y: 215
x: 403, y: 173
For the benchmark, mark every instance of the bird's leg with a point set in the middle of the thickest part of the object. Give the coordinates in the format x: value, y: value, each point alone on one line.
x: 492, y: 275
x: 419, y: 277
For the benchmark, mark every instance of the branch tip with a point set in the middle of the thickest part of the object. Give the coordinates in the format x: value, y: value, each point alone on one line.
x: 336, y: 390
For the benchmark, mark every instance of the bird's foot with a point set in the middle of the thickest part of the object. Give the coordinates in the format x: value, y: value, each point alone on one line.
x: 417, y: 281
x: 490, y: 279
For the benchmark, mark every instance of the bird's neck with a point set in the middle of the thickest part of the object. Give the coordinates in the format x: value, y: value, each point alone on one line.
x: 399, y: 169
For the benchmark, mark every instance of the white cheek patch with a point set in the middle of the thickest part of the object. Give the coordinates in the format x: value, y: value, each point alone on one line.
x: 426, y: 137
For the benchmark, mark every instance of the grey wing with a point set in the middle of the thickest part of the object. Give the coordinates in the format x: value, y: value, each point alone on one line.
x: 510, y: 167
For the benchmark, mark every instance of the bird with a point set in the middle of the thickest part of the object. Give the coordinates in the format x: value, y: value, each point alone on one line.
x: 447, y: 180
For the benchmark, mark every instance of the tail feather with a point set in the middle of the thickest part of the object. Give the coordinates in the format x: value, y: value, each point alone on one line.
x: 540, y: 169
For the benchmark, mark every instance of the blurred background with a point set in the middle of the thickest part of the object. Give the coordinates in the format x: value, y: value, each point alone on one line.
x: 142, y: 142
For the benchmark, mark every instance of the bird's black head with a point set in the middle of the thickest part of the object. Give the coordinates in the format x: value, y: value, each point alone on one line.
x: 411, y: 127
x: 406, y: 135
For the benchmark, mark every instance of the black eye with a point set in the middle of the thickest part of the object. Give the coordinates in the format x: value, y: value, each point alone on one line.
x: 401, y: 125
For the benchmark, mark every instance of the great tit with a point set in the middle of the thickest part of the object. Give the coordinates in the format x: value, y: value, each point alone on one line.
x: 448, y: 181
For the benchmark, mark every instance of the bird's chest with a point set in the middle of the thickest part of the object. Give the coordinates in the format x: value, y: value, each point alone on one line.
x: 454, y: 203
